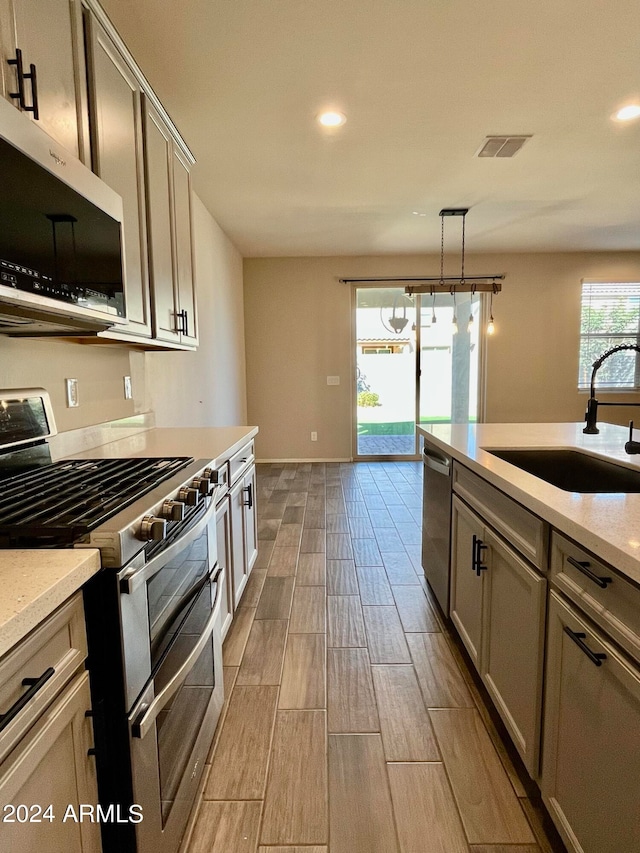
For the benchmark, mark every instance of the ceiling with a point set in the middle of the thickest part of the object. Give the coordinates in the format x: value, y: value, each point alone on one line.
x: 422, y: 82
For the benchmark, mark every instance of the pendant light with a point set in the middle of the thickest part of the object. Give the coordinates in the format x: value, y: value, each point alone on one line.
x: 491, y: 325
x: 470, y: 324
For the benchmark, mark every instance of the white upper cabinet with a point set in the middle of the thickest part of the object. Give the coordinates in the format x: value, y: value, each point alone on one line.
x: 44, y: 71
x: 169, y: 232
x: 117, y: 156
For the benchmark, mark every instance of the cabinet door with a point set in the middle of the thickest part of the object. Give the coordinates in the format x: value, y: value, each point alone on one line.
x: 250, y: 518
x: 239, y: 559
x: 158, y: 161
x: 223, y: 528
x: 466, y: 586
x: 513, y: 643
x: 184, y: 250
x: 591, y: 760
x: 49, y: 34
x: 50, y: 766
x: 118, y: 160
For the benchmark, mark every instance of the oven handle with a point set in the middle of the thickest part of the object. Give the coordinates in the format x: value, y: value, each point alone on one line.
x: 134, y: 578
x: 141, y: 726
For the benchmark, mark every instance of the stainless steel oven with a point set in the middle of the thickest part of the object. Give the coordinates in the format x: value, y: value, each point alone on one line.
x: 169, y: 602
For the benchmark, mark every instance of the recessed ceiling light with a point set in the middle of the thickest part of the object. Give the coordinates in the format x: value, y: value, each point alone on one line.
x: 629, y: 112
x: 417, y: 213
x: 332, y: 119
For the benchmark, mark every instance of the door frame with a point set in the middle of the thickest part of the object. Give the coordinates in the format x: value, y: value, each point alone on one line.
x: 483, y: 316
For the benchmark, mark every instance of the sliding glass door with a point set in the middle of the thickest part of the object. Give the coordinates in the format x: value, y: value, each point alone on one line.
x: 412, y: 365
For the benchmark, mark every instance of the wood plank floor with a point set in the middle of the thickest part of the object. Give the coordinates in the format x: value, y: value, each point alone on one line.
x: 351, y: 723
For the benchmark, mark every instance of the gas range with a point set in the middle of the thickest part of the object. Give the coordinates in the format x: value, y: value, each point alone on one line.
x: 119, y: 506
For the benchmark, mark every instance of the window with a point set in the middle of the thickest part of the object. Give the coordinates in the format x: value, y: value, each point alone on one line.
x: 610, y: 316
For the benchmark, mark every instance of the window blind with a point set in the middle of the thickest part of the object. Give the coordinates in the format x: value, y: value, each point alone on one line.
x: 610, y: 315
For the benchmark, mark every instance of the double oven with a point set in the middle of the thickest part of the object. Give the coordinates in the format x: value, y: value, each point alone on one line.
x: 153, y: 612
x: 155, y: 658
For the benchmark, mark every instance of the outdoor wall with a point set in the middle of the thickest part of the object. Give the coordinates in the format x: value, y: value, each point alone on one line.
x: 298, y: 330
x: 206, y: 387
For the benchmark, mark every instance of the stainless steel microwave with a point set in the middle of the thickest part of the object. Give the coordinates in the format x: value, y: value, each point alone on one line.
x: 61, y: 252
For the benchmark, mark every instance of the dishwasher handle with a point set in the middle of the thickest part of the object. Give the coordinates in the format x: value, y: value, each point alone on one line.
x: 436, y: 462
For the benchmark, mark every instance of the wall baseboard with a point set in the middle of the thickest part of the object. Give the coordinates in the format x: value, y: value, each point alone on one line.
x: 314, y: 459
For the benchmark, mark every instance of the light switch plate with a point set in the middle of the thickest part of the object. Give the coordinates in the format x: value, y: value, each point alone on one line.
x: 128, y: 390
x: 72, y: 393
x: 333, y: 380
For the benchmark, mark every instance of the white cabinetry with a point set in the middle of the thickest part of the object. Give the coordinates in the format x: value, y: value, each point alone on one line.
x: 44, y: 41
x: 498, y: 607
x: 169, y: 233
x: 225, y: 560
x: 117, y: 154
x: 244, y: 533
x: 591, y: 762
x: 46, y: 738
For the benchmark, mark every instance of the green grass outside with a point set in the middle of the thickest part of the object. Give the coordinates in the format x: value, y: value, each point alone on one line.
x: 398, y: 427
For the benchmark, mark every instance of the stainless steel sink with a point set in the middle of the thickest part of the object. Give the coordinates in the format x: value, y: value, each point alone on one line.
x: 573, y: 471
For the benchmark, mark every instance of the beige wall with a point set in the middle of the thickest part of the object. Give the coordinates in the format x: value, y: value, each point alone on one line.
x: 98, y: 369
x: 206, y: 387
x: 298, y: 330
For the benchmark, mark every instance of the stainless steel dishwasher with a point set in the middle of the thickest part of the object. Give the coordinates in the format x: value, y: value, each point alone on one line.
x: 436, y: 521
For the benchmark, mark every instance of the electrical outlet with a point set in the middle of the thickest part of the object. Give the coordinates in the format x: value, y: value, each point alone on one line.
x: 72, y: 393
x: 314, y: 436
x: 333, y: 380
x: 128, y: 390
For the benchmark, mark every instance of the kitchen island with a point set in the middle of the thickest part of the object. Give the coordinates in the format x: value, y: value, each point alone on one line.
x: 545, y: 597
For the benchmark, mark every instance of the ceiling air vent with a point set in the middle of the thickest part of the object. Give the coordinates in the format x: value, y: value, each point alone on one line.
x: 502, y: 146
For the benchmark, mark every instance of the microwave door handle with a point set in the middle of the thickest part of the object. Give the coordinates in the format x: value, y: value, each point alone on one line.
x: 131, y: 579
x: 141, y: 726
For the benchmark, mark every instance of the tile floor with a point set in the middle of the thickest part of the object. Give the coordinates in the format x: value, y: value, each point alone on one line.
x: 351, y: 722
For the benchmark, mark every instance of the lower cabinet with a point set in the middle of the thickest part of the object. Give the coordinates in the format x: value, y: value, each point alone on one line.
x: 47, y: 769
x: 244, y: 536
x: 49, y: 778
x: 498, y: 607
x: 225, y: 560
x: 591, y: 761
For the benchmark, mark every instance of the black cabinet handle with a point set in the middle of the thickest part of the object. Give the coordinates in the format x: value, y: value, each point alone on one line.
x: 478, y: 547
x: 182, y: 324
x: 34, y: 685
x: 19, y: 95
x: 594, y: 657
x: 249, y: 490
x: 584, y: 568
x: 32, y: 75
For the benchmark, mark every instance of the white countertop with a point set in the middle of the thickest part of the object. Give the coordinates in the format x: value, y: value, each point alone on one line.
x: 606, y: 524
x: 36, y: 582
x: 215, y: 444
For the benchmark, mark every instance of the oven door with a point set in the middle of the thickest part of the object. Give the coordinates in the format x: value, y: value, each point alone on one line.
x: 172, y: 724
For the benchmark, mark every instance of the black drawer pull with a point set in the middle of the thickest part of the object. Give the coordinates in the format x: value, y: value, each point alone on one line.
x: 34, y: 684
x: 594, y: 657
x: 19, y: 95
x: 584, y: 568
x: 34, y: 92
x: 478, y: 547
x: 249, y: 490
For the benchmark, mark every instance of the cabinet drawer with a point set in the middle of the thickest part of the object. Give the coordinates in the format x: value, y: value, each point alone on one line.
x: 59, y: 644
x: 524, y: 530
x: 240, y: 461
x: 610, y: 599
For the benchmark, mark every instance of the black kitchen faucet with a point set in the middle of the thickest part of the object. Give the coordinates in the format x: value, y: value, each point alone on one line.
x: 591, y: 414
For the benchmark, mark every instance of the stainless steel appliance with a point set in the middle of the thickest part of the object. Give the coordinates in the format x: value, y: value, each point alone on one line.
x: 436, y: 521
x: 153, y: 611
x: 61, y: 269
